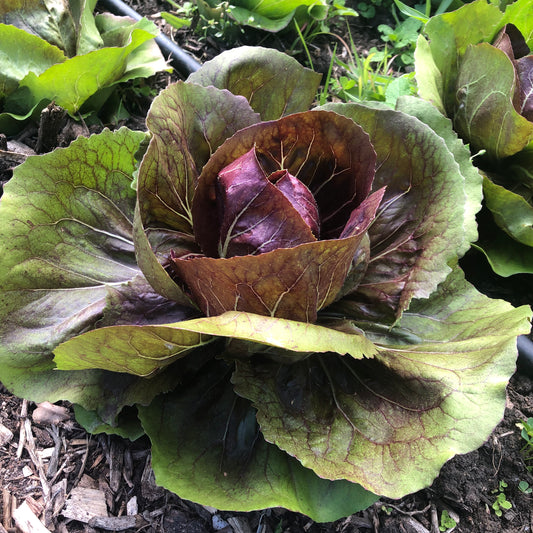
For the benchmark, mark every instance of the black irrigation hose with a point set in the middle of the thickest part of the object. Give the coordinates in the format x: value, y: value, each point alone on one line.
x: 525, y: 355
x: 183, y: 62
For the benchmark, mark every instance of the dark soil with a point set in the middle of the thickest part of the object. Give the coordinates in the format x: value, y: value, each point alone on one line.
x: 120, y: 471
x: 46, y: 459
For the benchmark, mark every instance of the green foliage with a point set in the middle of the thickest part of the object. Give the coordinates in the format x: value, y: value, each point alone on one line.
x: 446, y: 521
x: 467, y: 71
x: 77, y: 62
x: 367, y: 78
x: 368, y: 9
x: 225, y: 20
x: 401, y: 37
x: 401, y: 40
x: 501, y: 503
x: 526, y: 427
x: 525, y: 487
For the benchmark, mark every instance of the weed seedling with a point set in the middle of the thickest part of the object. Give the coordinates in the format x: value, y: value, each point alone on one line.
x: 526, y: 433
x: 525, y: 487
x: 501, y: 501
x: 446, y: 521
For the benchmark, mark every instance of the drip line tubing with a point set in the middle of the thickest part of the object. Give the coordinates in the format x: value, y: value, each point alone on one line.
x: 525, y: 355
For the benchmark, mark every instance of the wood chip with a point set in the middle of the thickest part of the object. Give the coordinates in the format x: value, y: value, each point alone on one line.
x: 8, y: 504
x: 416, y: 525
x: 49, y: 414
x: 85, y: 504
x: 5, y: 435
x: 87, y: 482
x: 132, y: 508
x: 22, y: 433
x: 26, y: 520
x: 58, y: 497
x: 116, y: 464
x: 117, y: 523
x: 149, y: 489
x: 45, y: 453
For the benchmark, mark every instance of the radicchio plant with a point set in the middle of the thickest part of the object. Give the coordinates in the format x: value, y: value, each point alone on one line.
x: 476, y: 66
x: 274, y: 299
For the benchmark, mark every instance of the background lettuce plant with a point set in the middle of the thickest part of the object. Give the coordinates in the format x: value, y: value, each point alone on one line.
x: 476, y: 66
x: 309, y: 376
x: 54, y: 50
x: 269, y: 15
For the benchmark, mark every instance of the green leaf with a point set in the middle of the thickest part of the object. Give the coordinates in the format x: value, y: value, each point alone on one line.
x: 148, y: 261
x: 88, y: 37
x: 146, y: 58
x: 288, y: 334
x: 511, y: 212
x: 485, y: 116
x: 427, y: 75
x: 72, y: 82
x: 188, y: 123
x: 174, y: 21
x: 138, y: 350
x: 449, y: 35
x: 49, y: 19
x: 519, y: 14
x: 277, y: 8
x: 390, y: 423
x: 248, y: 17
x: 206, y: 447
x: 21, y: 53
x: 442, y: 126
x: 144, y: 349
x: 127, y: 425
x: 505, y: 255
x: 65, y: 240
x: 274, y: 83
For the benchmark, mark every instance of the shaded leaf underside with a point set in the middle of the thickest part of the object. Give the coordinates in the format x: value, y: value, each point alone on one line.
x: 202, y: 431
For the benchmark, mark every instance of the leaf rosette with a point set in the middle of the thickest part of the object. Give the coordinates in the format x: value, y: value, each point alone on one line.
x: 481, y: 77
x: 274, y: 299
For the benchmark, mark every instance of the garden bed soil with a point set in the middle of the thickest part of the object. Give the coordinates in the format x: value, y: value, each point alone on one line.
x: 52, y: 469
x: 51, y: 464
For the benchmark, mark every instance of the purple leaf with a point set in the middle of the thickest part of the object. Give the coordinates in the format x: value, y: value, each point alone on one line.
x: 524, y: 67
x: 328, y: 153
x: 291, y: 283
x: 256, y: 217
